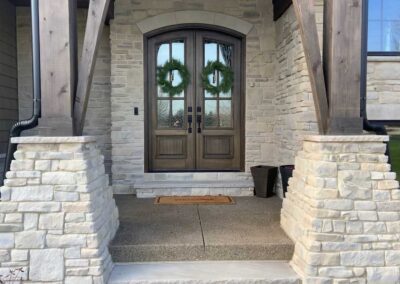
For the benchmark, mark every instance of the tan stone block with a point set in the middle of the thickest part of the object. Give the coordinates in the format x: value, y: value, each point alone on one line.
x: 388, y: 184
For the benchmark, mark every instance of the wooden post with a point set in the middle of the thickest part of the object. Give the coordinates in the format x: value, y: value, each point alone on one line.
x: 97, y: 13
x: 342, y: 64
x: 58, y: 67
x: 305, y: 15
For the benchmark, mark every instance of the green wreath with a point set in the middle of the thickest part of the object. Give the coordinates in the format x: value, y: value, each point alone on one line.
x: 227, y: 82
x: 164, y: 73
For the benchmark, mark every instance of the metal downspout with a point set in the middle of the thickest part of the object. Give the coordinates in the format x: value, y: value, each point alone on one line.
x: 32, y: 122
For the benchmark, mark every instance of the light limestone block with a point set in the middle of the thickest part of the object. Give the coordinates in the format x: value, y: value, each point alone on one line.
x: 39, y: 207
x: 336, y: 272
x: 30, y: 239
x: 362, y: 258
x: 78, y: 279
x: 22, y: 165
x: 66, y: 196
x: 6, y: 240
x: 32, y: 193
x: 51, y: 221
x: 59, y: 178
x: 46, y: 265
x: 383, y: 275
x: 66, y: 240
x: 19, y: 255
x: 43, y: 165
x: 13, y: 218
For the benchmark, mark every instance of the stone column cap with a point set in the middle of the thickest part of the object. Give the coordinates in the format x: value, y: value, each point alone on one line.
x: 347, y: 138
x: 52, y: 140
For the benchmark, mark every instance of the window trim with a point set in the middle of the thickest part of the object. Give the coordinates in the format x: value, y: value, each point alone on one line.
x: 383, y: 53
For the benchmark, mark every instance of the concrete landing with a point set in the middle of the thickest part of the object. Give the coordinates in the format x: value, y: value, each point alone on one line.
x: 205, y: 272
x: 247, y: 230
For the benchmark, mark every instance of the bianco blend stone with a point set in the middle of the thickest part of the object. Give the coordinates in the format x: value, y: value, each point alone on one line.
x: 342, y: 211
x: 57, y: 212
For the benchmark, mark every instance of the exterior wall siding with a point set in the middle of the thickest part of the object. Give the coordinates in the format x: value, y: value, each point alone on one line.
x: 8, y: 76
x: 383, y: 88
x: 294, y: 102
x: 98, y: 117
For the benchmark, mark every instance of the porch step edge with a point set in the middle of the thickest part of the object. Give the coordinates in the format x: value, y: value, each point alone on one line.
x: 190, y: 184
x: 190, y: 188
x: 269, y: 272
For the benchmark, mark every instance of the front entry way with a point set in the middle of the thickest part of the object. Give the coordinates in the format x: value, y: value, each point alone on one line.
x: 195, y: 129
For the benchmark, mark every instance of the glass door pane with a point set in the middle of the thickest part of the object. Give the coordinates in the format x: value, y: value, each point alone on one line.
x: 171, y: 107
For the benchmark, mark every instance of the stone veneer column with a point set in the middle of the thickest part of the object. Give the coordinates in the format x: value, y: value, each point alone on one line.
x: 342, y: 211
x: 57, y: 213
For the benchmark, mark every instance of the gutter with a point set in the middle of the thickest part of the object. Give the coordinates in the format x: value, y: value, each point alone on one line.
x: 32, y: 122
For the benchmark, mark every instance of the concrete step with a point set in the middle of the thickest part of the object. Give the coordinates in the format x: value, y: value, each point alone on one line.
x: 194, y: 252
x: 149, y: 189
x: 267, y: 272
x: 247, y: 230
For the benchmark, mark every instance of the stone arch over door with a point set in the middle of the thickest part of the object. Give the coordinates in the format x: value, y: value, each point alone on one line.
x: 194, y: 17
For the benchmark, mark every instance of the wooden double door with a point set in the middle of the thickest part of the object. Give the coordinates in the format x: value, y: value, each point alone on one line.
x: 194, y: 130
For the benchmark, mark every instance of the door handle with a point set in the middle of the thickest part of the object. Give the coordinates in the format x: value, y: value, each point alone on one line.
x: 199, y: 123
x: 190, y: 120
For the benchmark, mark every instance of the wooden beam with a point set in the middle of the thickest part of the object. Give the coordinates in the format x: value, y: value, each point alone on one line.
x: 57, y: 57
x: 305, y: 15
x: 342, y: 64
x: 94, y: 26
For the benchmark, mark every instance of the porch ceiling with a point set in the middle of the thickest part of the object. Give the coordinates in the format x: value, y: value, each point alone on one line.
x: 82, y: 4
x: 280, y: 6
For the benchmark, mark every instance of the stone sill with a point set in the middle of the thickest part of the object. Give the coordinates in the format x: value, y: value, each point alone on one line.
x: 52, y: 140
x: 349, y: 138
x: 191, y: 184
x: 383, y: 58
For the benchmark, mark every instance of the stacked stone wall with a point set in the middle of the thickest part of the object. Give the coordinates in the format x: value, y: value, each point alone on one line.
x: 343, y: 211
x: 57, y: 213
x: 383, y: 88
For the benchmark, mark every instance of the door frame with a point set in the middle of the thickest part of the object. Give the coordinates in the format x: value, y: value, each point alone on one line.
x: 242, y: 90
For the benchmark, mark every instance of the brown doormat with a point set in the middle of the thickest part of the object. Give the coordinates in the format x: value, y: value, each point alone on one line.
x: 194, y: 200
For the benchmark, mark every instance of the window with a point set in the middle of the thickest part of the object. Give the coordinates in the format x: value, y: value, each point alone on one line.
x: 384, y: 26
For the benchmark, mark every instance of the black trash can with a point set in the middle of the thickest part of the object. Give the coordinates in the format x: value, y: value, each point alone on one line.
x: 264, y: 180
x: 286, y: 174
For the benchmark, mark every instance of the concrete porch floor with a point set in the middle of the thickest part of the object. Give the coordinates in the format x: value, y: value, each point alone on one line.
x: 247, y: 230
